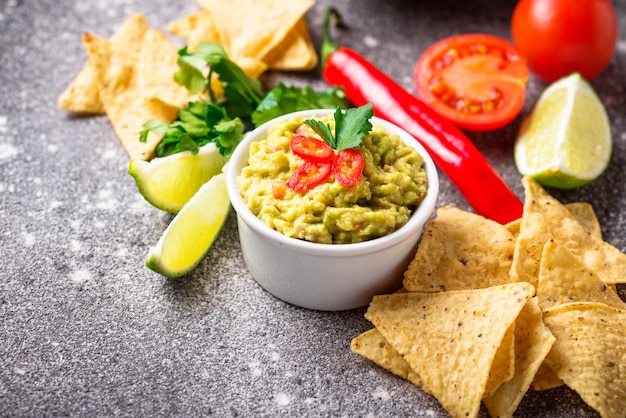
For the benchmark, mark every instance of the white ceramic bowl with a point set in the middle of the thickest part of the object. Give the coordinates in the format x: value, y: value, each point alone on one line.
x: 328, y: 277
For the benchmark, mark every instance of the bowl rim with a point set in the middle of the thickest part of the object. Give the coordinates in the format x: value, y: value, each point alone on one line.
x: 417, y: 220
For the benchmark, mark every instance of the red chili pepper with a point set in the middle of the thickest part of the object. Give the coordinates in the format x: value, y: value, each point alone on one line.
x: 311, y: 149
x: 454, y: 153
x: 348, y: 166
x: 309, y: 175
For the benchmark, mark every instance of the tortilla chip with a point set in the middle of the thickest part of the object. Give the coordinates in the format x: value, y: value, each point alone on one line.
x: 123, y: 101
x: 83, y: 94
x: 589, y: 353
x: 582, y: 211
x: 532, y: 344
x: 564, y: 278
x: 545, y: 379
x: 155, y: 70
x: 450, y: 338
x: 503, y: 366
x: 296, y: 51
x: 585, y: 215
x: 545, y: 218
x: 254, y: 28
x: 460, y: 250
x: 196, y: 28
x: 373, y: 346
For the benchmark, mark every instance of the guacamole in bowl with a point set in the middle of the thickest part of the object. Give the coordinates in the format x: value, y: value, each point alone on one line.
x: 392, y: 185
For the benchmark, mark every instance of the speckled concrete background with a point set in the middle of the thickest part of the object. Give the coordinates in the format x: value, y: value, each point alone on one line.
x: 86, y: 330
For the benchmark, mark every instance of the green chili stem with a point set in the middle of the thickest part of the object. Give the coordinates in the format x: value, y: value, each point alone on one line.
x: 328, y: 46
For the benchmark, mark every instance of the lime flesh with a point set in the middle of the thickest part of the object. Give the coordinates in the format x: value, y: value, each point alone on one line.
x: 192, y: 232
x: 169, y: 182
x: 565, y: 142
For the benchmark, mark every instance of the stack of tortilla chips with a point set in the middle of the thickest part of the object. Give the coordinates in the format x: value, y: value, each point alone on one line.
x: 130, y: 76
x: 489, y: 311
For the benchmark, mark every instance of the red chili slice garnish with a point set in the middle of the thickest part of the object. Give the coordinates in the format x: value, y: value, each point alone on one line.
x: 311, y: 149
x: 348, y: 166
x: 309, y: 175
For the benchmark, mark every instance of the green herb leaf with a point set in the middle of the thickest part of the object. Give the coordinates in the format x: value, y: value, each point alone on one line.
x: 323, y: 130
x: 197, y: 125
x: 350, y: 127
x: 282, y: 100
x: 242, y: 93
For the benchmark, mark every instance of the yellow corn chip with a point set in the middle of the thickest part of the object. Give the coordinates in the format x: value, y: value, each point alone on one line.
x: 532, y: 344
x: 295, y: 52
x: 373, y: 346
x: 254, y: 28
x: 503, y: 366
x: 545, y: 379
x: 589, y: 353
x: 545, y: 218
x: 585, y: 215
x: 155, y: 70
x: 450, y: 339
x: 564, y: 278
x: 460, y: 250
x: 123, y: 101
x: 83, y: 94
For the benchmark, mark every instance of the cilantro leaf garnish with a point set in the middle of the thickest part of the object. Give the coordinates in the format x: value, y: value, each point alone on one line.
x: 350, y: 127
x: 242, y: 93
x: 197, y: 125
x: 283, y: 99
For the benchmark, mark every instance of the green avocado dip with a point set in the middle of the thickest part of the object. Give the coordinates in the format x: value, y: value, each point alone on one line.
x: 392, y: 185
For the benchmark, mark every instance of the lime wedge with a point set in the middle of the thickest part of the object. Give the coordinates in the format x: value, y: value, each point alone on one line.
x: 565, y: 141
x: 169, y: 182
x: 192, y: 232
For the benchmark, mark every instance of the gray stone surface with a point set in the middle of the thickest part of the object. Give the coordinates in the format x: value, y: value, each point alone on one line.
x: 87, y: 330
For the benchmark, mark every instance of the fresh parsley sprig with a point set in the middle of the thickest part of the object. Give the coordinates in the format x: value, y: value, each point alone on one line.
x: 350, y: 127
x: 242, y: 93
x: 197, y: 125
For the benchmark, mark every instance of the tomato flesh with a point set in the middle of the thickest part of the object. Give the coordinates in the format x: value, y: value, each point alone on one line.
x: 309, y: 175
x: 348, y: 166
x: 311, y: 149
x: 477, y: 81
x: 559, y: 37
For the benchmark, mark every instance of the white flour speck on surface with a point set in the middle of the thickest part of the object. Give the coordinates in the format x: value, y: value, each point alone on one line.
x: 370, y: 41
x: 255, y: 369
x: 382, y: 394
x: 4, y: 124
x: 282, y: 399
x: 8, y: 151
x: 80, y: 276
x: 75, y: 245
x: 29, y: 239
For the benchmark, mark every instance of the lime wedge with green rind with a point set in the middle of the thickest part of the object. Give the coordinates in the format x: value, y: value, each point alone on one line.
x: 192, y: 232
x: 565, y: 142
x: 169, y: 182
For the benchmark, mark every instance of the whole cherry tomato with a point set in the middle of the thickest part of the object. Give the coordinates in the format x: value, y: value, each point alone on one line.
x: 559, y: 37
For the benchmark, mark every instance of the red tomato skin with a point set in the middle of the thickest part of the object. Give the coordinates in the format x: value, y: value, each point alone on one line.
x: 559, y: 37
x: 348, y: 166
x: 510, y: 81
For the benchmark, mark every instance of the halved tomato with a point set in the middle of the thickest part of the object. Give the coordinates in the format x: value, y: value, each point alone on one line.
x: 477, y: 81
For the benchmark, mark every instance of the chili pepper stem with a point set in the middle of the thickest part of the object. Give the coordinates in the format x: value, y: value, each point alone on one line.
x: 328, y: 46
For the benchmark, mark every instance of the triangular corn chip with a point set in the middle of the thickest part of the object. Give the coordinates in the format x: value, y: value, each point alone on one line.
x: 450, y: 339
x: 460, y: 250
